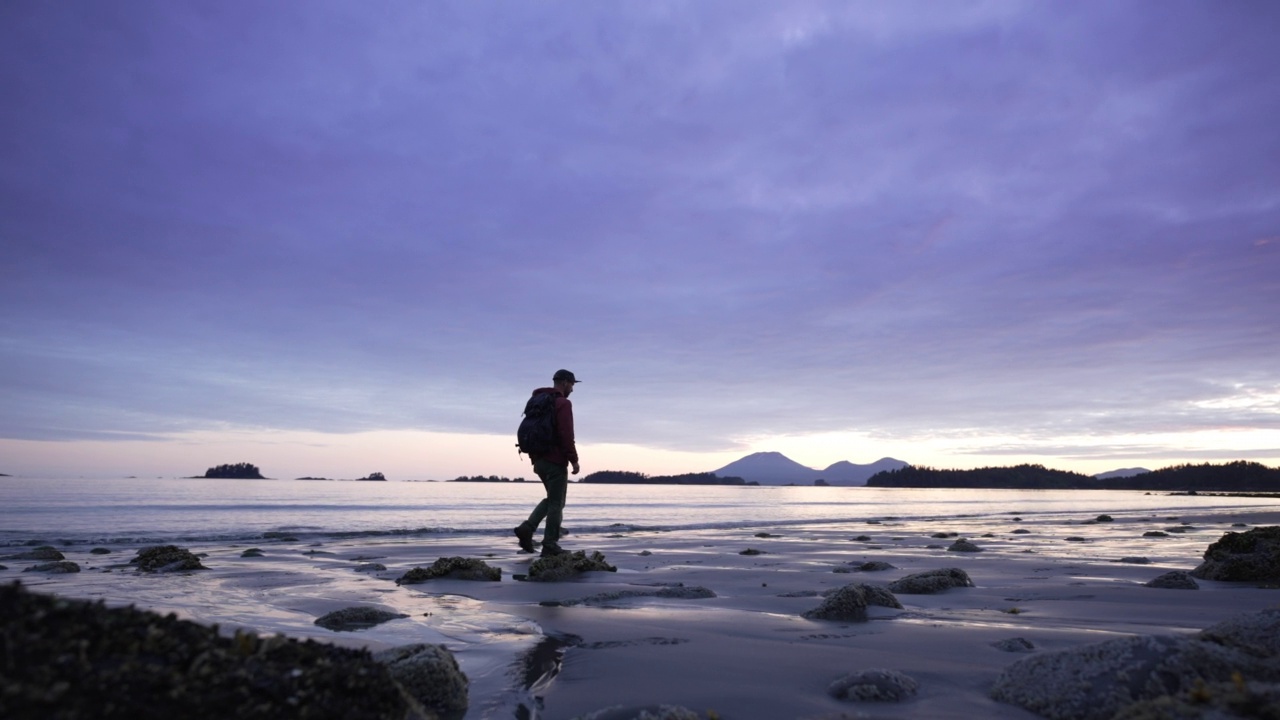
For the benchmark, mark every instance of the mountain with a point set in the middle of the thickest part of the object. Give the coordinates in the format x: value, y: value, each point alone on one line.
x: 847, y: 473
x: 1121, y: 473
x: 774, y: 468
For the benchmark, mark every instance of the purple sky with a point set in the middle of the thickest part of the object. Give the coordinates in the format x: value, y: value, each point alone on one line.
x: 986, y: 231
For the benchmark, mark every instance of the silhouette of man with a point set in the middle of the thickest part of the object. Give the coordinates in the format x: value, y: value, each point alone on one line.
x: 553, y: 469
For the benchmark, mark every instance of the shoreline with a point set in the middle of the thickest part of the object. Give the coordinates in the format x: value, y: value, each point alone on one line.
x: 561, y: 650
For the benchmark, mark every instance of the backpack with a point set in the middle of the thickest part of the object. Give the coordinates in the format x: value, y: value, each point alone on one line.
x: 537, y: 432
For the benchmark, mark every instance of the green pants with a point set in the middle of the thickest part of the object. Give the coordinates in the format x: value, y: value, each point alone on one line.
x: 555, y: 479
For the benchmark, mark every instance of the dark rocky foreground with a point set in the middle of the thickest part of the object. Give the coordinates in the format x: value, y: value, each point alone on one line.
x: 70, y: 660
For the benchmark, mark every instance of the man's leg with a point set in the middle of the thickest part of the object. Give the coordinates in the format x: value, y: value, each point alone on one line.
x: 525, y: 530
x: 555, y: 479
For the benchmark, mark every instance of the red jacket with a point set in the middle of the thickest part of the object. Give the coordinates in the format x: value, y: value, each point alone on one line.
x: 566, y: 451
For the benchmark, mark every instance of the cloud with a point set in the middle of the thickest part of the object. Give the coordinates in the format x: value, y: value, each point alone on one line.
x: 734, y: 219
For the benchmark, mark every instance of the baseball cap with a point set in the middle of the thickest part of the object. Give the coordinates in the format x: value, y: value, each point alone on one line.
x: 564, y: 375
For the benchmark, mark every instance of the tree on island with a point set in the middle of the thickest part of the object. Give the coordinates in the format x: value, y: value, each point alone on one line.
x: 377, y: 476
x: 485, y: 478
x: 621, y: 477
x: 1238, y: 476
x: 238, y: 471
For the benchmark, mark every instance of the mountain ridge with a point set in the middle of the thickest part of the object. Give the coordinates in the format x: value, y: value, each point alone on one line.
x: 774, y: 468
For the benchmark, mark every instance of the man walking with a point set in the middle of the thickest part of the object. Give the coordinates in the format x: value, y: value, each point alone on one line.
x: 552, y: 468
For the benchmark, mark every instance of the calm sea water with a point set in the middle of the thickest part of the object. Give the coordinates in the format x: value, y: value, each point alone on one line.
x: 148, y: 511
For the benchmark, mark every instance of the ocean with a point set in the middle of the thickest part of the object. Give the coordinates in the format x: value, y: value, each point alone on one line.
x: 137, y: 511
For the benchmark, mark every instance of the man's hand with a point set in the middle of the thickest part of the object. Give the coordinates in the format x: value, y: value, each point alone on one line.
x: 575, y: 467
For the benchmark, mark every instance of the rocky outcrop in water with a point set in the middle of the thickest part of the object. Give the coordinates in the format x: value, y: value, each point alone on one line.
x: 47, y: 553
x: 1173, y: 580
x: 849, y: 603
x: 61, y: 566
x: 166, y: 558
x: 931, y: 581
x: 874, y: 685
x: 453, y: 568
x: 356, y: 618
x: 557, y: 568
x: 1250, y: 556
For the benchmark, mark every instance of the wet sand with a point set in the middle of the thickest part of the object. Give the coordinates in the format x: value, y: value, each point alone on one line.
x: 561, y: 650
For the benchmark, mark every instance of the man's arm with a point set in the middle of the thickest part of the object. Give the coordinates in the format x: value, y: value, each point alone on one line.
x: 564, y: 427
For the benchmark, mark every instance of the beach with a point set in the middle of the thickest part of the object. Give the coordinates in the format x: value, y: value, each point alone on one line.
x: 727, y: 637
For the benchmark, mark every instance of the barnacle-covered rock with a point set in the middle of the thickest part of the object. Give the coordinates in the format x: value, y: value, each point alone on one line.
x: 931, y: 581
x: 876, y: 685
x: 1252, y: 556
x: 453, y: 568
x: 79, y: 660
x: 356, y: 618
x: 43, y: 552
x: 430, y: 674
x: 166, y: 558
x: 1097, y: 681
x: 1174, y: 580
x: 62, y: 566
x: 555, y: 568
x: 850, y: 602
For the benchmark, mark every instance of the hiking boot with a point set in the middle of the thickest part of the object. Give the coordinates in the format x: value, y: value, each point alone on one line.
x: 553, y: 550
x: 525, y: 537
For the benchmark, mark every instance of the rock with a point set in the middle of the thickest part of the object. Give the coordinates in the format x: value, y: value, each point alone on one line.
x: 430, y: 674
x: 941, y: 535
x: 850, y: 602
x: 647, y: 712
x: 356, y: 618
x: 79, y: 660
x: 863, y: 538
x: 252, y: 553
x: 1214, y: 701
x: 679, y: 593
x: 1104, y: 518
x: 875, y: 685
x: 931, y: 581
x: 1076, y: 538
x: 1250, y: 556
x: 563, y: 567
x: 62, y: 566
x: 875, y: 566
x: 166, y: 558
x: 1016, y: 644
x: 370, y: 567
x: 963, y: 545
x: 1021, y: 531
x: 1135, y: 560
x: 100, y: 551
x: 44, y: 552
x: 1094, y: 682
x: 1174, y: 580
x: 1155, y: 533
x: 645, y: 553
x: 453, y: 568
x: 751, y: 551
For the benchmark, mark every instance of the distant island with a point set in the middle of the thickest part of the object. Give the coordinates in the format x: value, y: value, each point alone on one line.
x: 1239, y: 476
x: 238, y: 471
x: 618, y: 477
x: 376, y: 477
